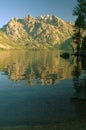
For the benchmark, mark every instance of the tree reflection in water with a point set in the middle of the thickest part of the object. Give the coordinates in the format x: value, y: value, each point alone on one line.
x: 79, y: 79
x: 79, y: 82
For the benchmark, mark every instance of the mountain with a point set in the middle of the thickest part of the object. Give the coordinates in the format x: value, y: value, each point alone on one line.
x: 6, y: 42
x: 47, y: 31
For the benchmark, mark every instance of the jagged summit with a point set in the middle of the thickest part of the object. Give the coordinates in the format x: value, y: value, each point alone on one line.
x: 50, y: 19
x: 47, y: 17
x: 49, y: 30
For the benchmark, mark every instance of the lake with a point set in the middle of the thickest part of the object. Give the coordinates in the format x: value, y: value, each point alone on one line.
x: 40, y: 87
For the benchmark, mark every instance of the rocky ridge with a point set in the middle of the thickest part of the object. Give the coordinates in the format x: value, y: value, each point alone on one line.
x: 47, y: 31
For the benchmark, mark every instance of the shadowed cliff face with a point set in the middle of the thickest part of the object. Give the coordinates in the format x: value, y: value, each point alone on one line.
x: 34, y: 67
x: 43, y: 29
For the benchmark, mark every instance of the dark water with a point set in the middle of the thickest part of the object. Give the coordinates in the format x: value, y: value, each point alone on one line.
x: 39, y: 87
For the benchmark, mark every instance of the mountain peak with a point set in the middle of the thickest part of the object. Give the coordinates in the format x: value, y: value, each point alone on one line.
x: 45, y: 29
x: 28, y: 17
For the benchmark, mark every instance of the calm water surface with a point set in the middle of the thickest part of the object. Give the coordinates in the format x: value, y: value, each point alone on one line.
x: 36, y: 87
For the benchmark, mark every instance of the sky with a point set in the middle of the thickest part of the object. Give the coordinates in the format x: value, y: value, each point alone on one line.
x: 21, y: 8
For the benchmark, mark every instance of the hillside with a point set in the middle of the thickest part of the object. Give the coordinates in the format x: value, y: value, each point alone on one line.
x: 6, y: 42
x: 41, y: 32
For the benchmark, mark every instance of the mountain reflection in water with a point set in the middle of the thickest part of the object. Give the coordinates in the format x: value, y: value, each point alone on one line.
x: 36, y: 67
x: 22, y: 105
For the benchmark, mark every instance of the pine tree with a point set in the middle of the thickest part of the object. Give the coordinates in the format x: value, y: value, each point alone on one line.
x: 80, y: 25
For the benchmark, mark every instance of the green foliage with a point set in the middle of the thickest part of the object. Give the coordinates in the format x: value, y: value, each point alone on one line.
x: 83, y: 47
x: 80, y: 24
x: 80, y: 11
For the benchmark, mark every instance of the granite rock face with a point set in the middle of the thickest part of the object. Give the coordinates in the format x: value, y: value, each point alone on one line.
x: 43, y: 31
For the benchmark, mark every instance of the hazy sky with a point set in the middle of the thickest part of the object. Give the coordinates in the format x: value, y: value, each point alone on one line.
x: 21, y: 8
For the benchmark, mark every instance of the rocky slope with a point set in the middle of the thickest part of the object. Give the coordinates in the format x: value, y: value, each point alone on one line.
x: 7, y: 43
x: 41, y: 32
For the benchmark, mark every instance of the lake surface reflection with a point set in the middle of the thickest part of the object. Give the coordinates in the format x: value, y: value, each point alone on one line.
x: 36, y: 87
x: 36, y: 67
